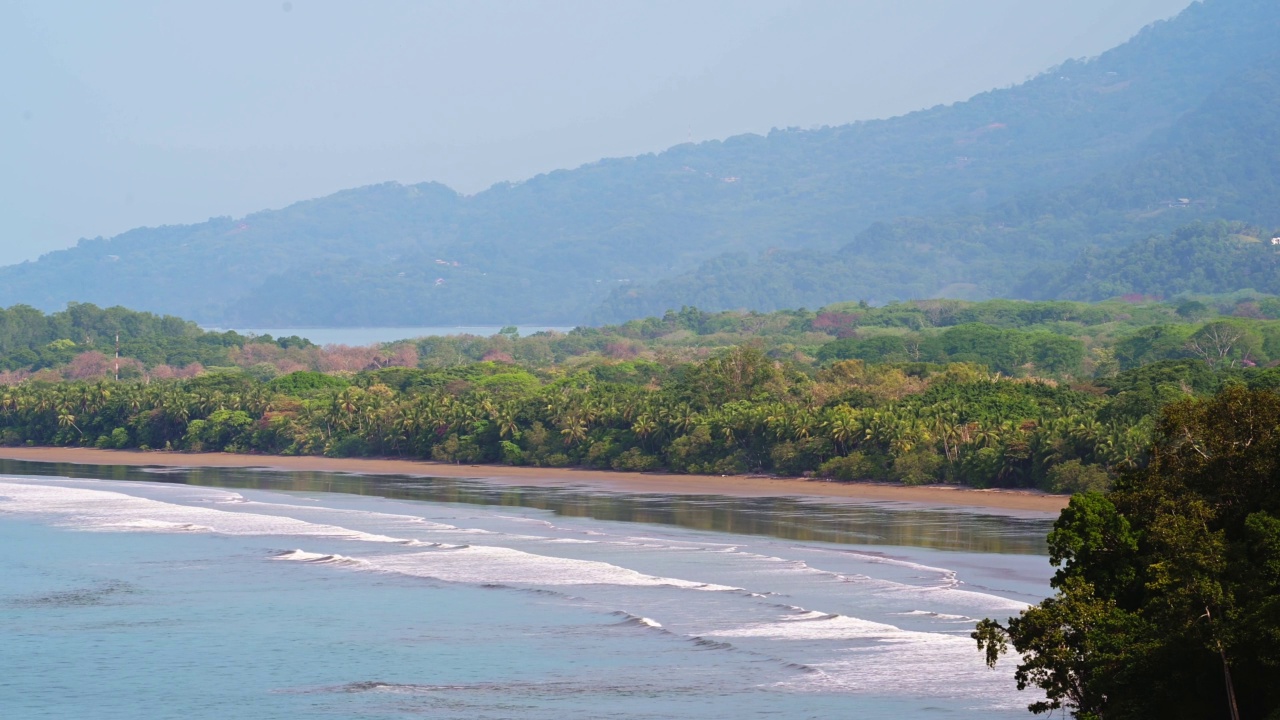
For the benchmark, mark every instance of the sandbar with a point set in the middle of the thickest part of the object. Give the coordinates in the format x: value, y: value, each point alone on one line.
x: 606, y: 480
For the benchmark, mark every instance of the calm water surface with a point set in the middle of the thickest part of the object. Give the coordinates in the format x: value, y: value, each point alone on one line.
x: 215, y: 593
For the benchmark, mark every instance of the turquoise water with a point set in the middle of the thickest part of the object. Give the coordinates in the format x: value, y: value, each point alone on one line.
x: 127, y: 599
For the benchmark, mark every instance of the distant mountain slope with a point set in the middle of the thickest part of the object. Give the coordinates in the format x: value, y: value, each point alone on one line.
x: 1220, y: 160
x: 1197, y: 259
x: 810, y: 215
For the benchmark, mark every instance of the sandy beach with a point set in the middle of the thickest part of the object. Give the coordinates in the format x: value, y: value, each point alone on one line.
x: 654, y: 483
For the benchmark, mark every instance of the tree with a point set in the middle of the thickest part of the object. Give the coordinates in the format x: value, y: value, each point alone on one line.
x: 1167, y: 586
x: 1218, y: 344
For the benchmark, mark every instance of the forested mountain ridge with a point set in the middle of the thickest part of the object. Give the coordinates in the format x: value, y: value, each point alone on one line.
x: 1219, y: 160
x: 748, y: 215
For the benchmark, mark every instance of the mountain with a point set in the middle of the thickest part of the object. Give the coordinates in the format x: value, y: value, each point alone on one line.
x: 1219, y: 160
x: 971, y: 199
x: 1198, y: 259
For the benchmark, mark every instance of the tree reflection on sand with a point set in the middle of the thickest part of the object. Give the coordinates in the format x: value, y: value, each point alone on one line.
x: 861, y: 523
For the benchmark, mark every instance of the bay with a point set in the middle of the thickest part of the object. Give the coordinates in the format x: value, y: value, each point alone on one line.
x: 210, y: 593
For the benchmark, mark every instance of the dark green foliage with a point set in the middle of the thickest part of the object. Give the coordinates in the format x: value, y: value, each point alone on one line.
x: 1167, y: 585
x: 1073, y: 477
x: 304, y: 382
x: 30, y: 339
x: 1206, y: 259
x: 1006, y: 351
x: 737, y: 411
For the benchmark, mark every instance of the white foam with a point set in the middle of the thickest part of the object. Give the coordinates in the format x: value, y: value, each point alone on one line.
x: 879, y: 559
x: 875, y: 657
x: 481, y: 564
x: 232, y: 498
x: 638, y: 620
x: 113, y: 511
x: 105, y: 510
x: 814, y: 625
x: 947, y: 592
x: 419, y: 522
x: 157, y: 525
x: 322, y: 559
x: 938, y: 615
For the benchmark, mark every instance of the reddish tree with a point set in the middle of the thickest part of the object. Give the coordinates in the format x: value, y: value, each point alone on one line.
x: 345, y: 358
x: 621, y: 350
x: 1249, y: 309
x: 403, y: 355
x: 88, y: 365
x: 190, y: 371
x: 835, y: 321
x: 13, y: 377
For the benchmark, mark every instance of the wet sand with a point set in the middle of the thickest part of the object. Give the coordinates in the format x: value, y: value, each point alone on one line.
x: 649, y: 483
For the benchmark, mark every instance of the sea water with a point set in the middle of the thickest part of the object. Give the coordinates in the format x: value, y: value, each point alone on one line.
x: 272, y: 597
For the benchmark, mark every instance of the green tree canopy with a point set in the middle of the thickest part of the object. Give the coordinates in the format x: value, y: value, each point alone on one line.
x: 1168, y: 588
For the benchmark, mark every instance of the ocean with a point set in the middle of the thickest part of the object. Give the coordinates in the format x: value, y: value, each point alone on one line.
x: 128, y: 593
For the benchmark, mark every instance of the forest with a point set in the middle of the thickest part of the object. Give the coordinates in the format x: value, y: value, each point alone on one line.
x: 78, y: 340
x: 1061, y: 396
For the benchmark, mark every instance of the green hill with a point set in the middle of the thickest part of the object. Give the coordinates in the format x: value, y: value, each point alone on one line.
x: 1218, y: 161
x: 962, y: 200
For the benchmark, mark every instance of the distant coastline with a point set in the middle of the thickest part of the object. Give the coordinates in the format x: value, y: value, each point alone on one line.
x: 370, y: 335
x: 615, y: 481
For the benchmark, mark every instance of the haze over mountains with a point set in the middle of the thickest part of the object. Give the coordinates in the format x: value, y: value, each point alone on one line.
x: 1052, y: 188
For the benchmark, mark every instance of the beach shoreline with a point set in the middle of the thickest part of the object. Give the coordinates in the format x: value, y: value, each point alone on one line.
x: 605, y: 480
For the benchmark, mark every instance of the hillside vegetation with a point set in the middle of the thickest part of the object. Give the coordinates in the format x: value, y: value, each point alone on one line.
x: 965, y: 200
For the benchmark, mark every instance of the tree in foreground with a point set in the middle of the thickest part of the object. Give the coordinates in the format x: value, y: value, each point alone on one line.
x: 1168, y: 587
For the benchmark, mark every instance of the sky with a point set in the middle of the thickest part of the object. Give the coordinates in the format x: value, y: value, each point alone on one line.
x: 154, y: 112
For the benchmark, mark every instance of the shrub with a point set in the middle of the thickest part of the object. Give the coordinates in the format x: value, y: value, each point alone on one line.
x: 687, y: 452
x: 556, y: 460
x: 303, y: 381
x: 917, y: 467
x: 635, y: 460
x: 735, y: 464
x: 854, y: 466
x: 602, y: 453
x: 263, y: 371
x: 799, y: 457
x: 1073, y: 477
x: 511, y: 453
x: 349, y: 446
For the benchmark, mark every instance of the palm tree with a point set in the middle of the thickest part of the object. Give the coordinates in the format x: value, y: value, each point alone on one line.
x: 505, y: 418
x: 644, y: 427
x: 67, y: 418
x: 946, y: 430
x: 574, y: 430
x: 845, y: 428
x: 681, y: 418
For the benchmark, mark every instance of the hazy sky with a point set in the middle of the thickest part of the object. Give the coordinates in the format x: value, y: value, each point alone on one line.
x: 129, y: 113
